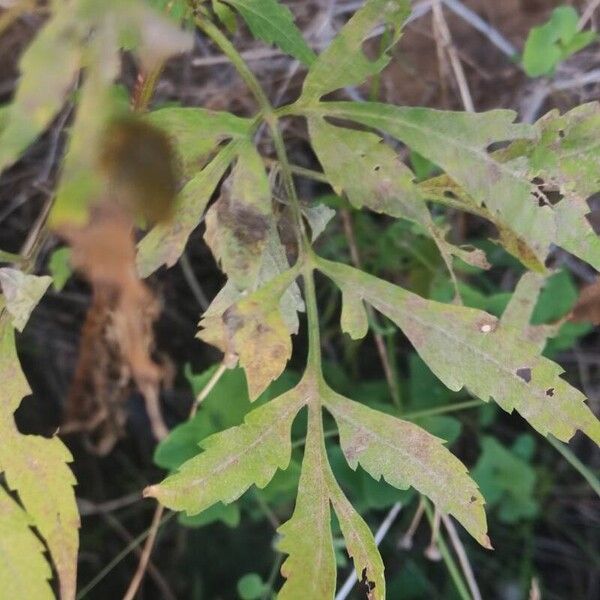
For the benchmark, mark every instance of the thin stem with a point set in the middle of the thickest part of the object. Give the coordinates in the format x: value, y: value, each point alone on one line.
x: 570, y: 457
x: 448, y: 560
x: 442, y: 410
x: 215, y: 34
x: 207, y: 389
x: 145, y: 557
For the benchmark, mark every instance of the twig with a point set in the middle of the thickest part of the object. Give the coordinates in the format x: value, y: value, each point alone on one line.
x: 591, y: 7
x: 568, y: 455
x: 406, y: 541
x: 193, y: 282
x: 462, y: 557
x: 145, y: 557
x: 159, y: 580
x: 88, y: 508
x: 379, y: 535
x: 379, y: 341
x: 493, y: 35
x: 207, y: 389
x: 448, y: 45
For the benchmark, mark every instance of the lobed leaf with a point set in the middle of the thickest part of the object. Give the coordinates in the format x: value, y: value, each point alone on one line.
x: 468, y: 347
x: 36, y: 468
x: 310, y: 569
x: 253, y: 329
x: 343, y: 62
x: 233, y: 459
x: 273, y: 23
x: 406, y: 455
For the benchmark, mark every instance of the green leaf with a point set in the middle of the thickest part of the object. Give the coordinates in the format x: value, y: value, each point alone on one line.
x: 60, y: 267
x: 253, y: 330
x: 197, y: 132
x: 274, y: 24
x: 507, y: 482
x: 406, y: 455
x: 468, y: 347
x: 22, y: 293
x: 225, y: 15
x: 24, y: 572
x: 251, y: 587
x: 310, y: 567
x: 343, y: 62
x: 165, y: 243
x: 36, y: 468
x: 549, y: 44
x: 229, y: 514
x: 239, y: 222
x: 233, y: 460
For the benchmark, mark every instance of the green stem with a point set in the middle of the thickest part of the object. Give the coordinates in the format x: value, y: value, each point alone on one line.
x: 570, y: 457
x: 442, y: 410
x: 271, y: 118
x: 312, y: 314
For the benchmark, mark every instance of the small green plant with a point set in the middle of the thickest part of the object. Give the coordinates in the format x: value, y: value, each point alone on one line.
x: 253, y: 318
x: 549, y: 44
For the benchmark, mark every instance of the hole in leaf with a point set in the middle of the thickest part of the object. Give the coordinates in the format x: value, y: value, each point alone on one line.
x: 550, y: 392
x: 376, y: 168
x: 561, y: 134
x: 450, y: 194
x: 525, y: 374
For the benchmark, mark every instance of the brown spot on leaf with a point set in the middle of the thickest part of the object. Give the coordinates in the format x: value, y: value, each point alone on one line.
x: 525, y: 374
x: 248, y: 225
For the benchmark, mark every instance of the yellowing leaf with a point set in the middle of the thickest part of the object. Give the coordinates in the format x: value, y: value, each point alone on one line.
x: 360, y: 544
x: 239, y: 222
x: 165, y: 243
x: 233, y: 459
x: 458, y: 143
x: 310, y: 567
x: 36, y: 468
x: 24, y: 572
x: 406, y: 455
x: 468, y: 347
x: 253, y: 329
x: 22, y: 293
x: 343, y: 62
x: 273, y: 23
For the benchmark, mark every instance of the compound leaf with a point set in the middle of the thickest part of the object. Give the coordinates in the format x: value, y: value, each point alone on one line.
x: 468, y: 347
x: 233, y: 460
x: 274, y: 24
x: 406, y: 455
x: 343, y: 62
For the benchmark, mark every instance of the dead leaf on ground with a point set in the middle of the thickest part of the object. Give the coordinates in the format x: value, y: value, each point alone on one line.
x: 588, y: 305
x: 117, y: 338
